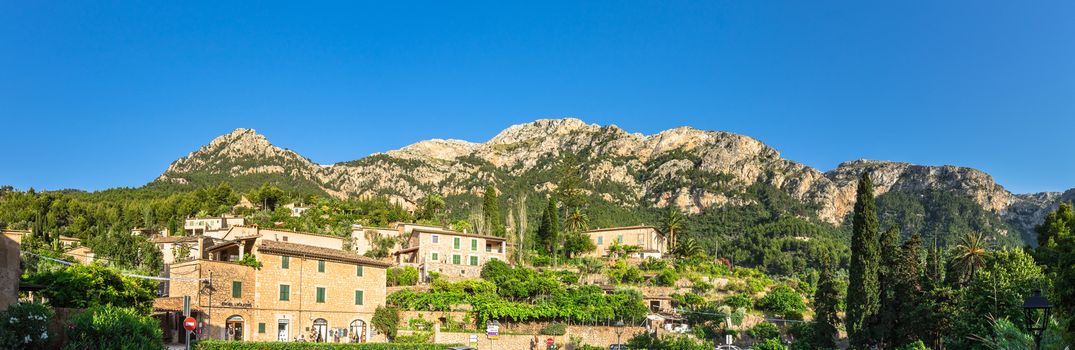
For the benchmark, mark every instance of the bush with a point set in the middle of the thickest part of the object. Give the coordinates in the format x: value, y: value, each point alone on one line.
x: 770, y: 344
x: 652, y: 264
x: 86, y: 286
x: 783, y: 300
x: 25, y: 326
x: 402, y: 276
x: 764, y: 330
x: 667, y: 278
x: 917, y: 345
x: 249, y: 345
x: 415, y: 338
x: 113, y: 325
x: 739, y: 301
x: 554, y: 328
x: 386, y: 319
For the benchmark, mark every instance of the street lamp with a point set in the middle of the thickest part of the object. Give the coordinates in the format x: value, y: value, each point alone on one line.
x: 619, y: 332
x: 1036, y: 309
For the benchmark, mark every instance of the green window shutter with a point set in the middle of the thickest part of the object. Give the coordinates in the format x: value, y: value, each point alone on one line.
x: 261, y: 327
x: 600, y: 240
x: 358, y: 297
x: 320, y: 294
x: 320, y: 266
x: 455, y: 259
x: 285, y: 262
x: 359, y: 270
x: 474, y: 261
x: 285, y: 292
x: 473, y: 244
x: 435, y: 256
x: 455, y: 242
x: 236, y: 289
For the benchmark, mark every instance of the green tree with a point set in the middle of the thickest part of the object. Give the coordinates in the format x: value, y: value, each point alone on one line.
x: 549, y: 230
x: 1056, y: 250
x: 577, y: 221
x: 671, y: 224
x: 119, y: 328
x: 826, y: 303
x: 491, y: 212
x: 386, y: 320
x: 569, y: 187
x: 968, y: 256
x: 576, y: 242
x: 997, y: 291
x: 907, y: 294
x: 863, y: 304
x: 432, y: 208
x: 887, y: 280
x: 85, y: 286
x: 268, y: 197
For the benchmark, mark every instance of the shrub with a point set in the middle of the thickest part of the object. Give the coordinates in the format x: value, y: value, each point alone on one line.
x: 420, y: 324
x: 770, y: 344
x: 86, y: 286
x: 249, y: 345
x: 917, y: 345
x: 113, y: 325
x: 249, y: 260
x: 652, y: 264
x: 739, y: 301
x: 667, y: 278
x: 784, y: 301
x: 554, y: 328
x: 764, y: 330
x: 402, y: 276
x: 386, y: 320
x: 25, y: 326
x: 415, y: 338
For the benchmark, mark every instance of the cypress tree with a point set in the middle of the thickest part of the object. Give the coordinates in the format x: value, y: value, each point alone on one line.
x: 826, y: 298
x: 908, y: 294
x: 549, y: 229
x: 491, y: 212
x: 863, y: 297
x: 888, y: 272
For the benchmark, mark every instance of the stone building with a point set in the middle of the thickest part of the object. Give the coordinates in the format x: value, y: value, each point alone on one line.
x: 650, y: 241
x: 454, y: 255
x: 10, y: 268
x: 299, y: 290
x: 198, y: 226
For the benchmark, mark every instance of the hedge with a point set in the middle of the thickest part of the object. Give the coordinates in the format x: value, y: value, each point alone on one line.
x: 249, y: 345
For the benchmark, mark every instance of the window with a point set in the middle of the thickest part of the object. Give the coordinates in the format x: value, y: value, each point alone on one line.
x: 285, y: 238
x: 320, y: 294
x: 455, y: 242
x: 261, y: 327
x: 435, y: 238
x: 456, y: 259
x: 619, y: 239
x: 285, y: 292
x: 236, y: 289
x: 359, y: 271
x: 600, y: 240
x: 320, y: 266
x: 358, y: 297
x: 473, y: 244
x: 473, y: 260
x: 434, y: 256
x: 285, y: 262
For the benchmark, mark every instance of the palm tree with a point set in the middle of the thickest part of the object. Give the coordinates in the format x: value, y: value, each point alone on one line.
x: 577, y: 221
x: 689, y: 249
x: 673, y: 221
x: 969, y: 255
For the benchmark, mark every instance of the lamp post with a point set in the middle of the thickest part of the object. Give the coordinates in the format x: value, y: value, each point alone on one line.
x: 1036, y: 309
x: 619, y: 332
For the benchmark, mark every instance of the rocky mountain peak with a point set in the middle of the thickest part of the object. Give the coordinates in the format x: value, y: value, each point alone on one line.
x: 540, y: 128
x: 435, y: 149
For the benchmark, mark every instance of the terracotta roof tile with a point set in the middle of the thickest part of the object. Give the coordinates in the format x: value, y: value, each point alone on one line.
x: 295, y: 249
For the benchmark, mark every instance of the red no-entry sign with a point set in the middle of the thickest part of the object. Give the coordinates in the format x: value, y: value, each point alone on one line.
x: 190, y: 323
x: 548, y: 341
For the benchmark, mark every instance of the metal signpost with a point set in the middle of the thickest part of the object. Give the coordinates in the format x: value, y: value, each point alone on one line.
x: 492, y: 330
x: 189, y: 323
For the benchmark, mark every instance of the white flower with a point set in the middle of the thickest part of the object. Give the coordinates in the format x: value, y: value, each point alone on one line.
x: 14, y: 320
x: 27, y: 339
x: 44, y: 335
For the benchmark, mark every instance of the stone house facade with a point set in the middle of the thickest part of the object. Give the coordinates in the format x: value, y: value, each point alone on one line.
x: 454, y: 255
x: 651, y: 241
x: 299, y: 291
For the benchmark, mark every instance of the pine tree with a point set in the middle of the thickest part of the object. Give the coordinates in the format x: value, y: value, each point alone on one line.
x: 826, y: 298
x: 491, y: 213
x: 887, y: 280
x: 863, y: 300
x: 549, y: 229
x: 569, y: 188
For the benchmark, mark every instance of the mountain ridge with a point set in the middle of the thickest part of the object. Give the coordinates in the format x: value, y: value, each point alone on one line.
x: 691, y: 168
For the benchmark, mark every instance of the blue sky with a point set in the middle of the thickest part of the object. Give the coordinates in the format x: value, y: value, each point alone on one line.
x: 101, y: 95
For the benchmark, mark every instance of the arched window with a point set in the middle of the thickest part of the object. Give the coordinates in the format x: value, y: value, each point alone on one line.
x: 357, y: 332
x: 320, y: 330
x: 234, y: 327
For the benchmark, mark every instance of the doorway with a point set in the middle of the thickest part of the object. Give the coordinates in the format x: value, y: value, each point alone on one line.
x: 358, y: 331
x: 320, y: 330
x: 283, y: 330
x: 234, y: 328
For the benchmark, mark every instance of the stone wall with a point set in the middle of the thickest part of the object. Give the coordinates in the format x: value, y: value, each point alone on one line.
x: 598, y: 336
x: 9, y: 270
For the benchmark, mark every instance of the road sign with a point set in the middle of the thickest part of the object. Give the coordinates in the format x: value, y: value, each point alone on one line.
x: 190, y: 324
x: 473, y: 338
x: 492, y: 331
x: 548, y: 341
